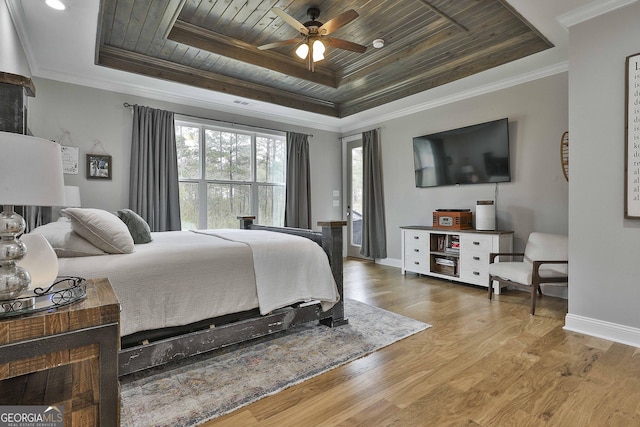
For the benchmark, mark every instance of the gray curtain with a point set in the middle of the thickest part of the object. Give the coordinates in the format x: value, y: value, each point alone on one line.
x: 34, y: 216
x: 374, y: 235
x: 298, y: 201
x: 154, y: 193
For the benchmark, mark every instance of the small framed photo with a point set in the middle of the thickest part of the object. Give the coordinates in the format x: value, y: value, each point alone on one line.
x: 98, y: 166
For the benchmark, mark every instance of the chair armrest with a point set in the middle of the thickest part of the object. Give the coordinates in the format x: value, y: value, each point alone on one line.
x: 493, y: 255
x: 539, y: 263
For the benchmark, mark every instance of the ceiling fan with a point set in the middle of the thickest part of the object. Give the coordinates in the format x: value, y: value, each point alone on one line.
x: 314, y: 35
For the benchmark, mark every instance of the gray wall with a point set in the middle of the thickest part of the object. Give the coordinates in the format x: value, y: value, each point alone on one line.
x: 604, y: 248
x: 537, y: 197
x: 535, y: 200
x: 91, y: 115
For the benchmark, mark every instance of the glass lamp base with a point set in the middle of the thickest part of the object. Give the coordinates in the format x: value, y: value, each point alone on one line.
x: 14, y: 281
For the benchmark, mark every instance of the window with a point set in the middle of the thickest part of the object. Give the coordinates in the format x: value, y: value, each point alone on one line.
x: 224, y: 173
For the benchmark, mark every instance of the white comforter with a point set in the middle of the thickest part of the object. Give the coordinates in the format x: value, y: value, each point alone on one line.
x: 182, y: 277
x: 288, y: 268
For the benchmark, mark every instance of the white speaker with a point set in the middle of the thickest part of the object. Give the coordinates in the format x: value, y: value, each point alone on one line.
x: 485, y: 215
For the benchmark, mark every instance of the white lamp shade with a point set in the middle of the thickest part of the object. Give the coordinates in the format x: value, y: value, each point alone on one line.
x: 72, y: 196
x: 302, y: 51
x: 30, y: 171
x: 318, y: 51
x: 40, y: 261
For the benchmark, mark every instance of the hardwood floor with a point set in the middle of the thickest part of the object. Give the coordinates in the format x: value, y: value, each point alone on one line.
x: 481, y: 364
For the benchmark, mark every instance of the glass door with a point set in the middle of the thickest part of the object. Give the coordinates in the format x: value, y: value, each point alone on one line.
x: 354, y: 198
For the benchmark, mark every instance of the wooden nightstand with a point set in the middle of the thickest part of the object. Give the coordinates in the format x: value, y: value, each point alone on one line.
x: 66, y: 357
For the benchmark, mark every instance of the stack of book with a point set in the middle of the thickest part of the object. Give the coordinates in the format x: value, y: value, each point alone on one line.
x: 446, y: 261
x: 447, y: 266
x: 454, y: 245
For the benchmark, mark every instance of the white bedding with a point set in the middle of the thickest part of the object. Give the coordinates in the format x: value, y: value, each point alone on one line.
x: 182, y: 277
x: 288, y: 268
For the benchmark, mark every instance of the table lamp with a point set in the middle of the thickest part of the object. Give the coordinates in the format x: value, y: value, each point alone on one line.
x: 30, y: 175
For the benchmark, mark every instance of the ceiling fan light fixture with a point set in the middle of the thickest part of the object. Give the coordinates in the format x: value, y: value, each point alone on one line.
x: 311, y: 47
x: 302, y: 51
x: 318, y: 51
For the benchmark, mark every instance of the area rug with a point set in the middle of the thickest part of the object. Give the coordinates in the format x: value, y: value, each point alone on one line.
x: 208, y: 386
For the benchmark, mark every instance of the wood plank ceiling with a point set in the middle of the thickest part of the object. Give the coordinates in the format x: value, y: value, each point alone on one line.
x: 212, y: 44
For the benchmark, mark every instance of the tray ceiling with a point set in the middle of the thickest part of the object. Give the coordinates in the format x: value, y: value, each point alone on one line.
x: 212, y: 44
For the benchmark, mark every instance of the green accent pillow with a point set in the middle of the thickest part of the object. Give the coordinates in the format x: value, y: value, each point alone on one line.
x: 138, y: 227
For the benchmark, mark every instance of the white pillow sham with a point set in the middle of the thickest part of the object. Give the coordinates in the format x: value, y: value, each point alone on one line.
x: 103, y: 229
x: 65, y: 242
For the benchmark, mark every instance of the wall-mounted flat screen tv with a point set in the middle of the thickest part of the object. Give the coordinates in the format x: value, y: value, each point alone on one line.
x: 476, y: 154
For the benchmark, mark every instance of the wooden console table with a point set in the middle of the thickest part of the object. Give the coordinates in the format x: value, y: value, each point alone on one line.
x: 66, y: 357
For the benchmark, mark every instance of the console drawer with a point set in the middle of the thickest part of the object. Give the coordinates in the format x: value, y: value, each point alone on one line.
x: 475, y: 276
x: 416, y: 263
x: 476, y: 243
x: 416, y: 239
x: 474, y: 259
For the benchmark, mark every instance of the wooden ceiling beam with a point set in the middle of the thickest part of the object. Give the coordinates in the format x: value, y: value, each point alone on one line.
x: 444, y: 15
x: 201, y: 38
x: 353, y: 73
x: 138, y: 63
x: 458, y: 67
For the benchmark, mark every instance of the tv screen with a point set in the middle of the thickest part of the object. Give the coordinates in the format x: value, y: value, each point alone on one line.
x: 476, y: 154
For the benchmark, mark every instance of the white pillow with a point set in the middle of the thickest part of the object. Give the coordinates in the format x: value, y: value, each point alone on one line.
x: 65, y: 242
x: 103, y: 229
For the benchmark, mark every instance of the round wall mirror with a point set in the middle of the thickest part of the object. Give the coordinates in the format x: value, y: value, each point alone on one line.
x: 564, y: 154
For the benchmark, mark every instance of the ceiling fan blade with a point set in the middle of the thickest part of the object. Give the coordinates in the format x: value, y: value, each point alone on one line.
x: 290, y: 20
x: 343, y: 44
x: 333, y: 24
x: 278, y: 44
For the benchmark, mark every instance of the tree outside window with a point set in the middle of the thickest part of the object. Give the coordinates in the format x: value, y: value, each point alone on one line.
x: 224, y: 173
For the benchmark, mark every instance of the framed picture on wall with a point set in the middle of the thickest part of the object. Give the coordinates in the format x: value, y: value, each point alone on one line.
x: 99, y: 166
x: 632, y: 138
x: 69, y: 159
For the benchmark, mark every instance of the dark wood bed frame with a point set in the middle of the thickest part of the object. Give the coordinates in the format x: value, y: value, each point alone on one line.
x: 216, y: 333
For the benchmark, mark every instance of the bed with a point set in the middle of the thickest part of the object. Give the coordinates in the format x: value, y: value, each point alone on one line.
x: 187, y: 292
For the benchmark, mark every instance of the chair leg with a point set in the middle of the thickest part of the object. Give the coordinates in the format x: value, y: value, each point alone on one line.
x: 490, y: 291
x: 534, y: 287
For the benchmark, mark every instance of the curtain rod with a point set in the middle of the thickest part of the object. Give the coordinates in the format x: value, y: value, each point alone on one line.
x: 359, y: 133
x: 310, y: 135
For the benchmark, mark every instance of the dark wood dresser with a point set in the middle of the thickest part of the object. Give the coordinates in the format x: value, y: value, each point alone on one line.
x: 66, y: 357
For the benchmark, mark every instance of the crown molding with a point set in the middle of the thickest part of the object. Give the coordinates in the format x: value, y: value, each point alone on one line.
x: 462, y: 95
x: 591, y: 11
x: 17, y: 17
x: 200, y: 99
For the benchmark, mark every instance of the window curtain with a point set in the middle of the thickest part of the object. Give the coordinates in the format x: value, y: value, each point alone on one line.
x: 154, y: 192
x: 374, y: 235
x: 34, y: 216
x: 298, y: 201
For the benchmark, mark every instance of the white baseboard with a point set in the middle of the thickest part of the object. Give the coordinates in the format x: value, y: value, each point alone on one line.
x: 602, y: 329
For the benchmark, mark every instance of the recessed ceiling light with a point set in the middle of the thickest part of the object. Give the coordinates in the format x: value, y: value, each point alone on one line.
x: 55, y: 4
